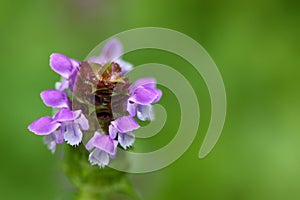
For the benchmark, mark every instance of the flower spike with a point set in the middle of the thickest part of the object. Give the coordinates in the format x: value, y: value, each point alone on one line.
x: 94, y: 98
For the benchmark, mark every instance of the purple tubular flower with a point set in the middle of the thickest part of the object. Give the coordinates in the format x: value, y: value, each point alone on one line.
x: 43, y: 126
x: 112, y: 52
x: 143, y: 93
x: 124, y: 126
x: 67, y: 68
x: 61, y: 64
x: 70, y: 122
x: 103, y: 148
x: 143, y: 82
x: 55, y: 99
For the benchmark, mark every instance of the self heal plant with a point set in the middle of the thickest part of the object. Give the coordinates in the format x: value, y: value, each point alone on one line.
x: 96, y: 110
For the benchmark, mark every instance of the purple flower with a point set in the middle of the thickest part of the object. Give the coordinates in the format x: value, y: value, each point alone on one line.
x: 112, y: 52
x: 143, y: 93
x: 44, y: 126
x: 123, y: 127
x: 66, y: 67
x: 103, y: 147
x: 70, y: 124
x: 55, y: 99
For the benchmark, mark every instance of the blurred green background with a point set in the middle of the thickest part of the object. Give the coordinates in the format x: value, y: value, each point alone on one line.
x: 256, y: 46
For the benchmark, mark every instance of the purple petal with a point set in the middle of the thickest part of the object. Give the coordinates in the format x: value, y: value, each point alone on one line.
x: 90, y: 144
x: 149, y: 83
x: 145, y: 112
x: 112, y: 131
x: 125, y: 124
x: 61, y: 64
x: 66, y: 115
x: 99, y: 157
x: 49, y: 140
x: 56, y: 99
x: 112, y: 50
x: 59, y: 137
x: 83, y: 122
x: 145, y: 96
x: 43, y: 126
x: 131, y: 108
x: 105, y: 143
x: 159, y: 95
x: 72, y: 134
x: 126, y: 139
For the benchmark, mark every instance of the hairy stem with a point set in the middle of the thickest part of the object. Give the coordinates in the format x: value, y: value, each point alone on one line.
x: 93, y: 183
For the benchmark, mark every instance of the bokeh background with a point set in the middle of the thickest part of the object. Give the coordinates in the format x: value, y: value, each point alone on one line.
x: 256, y: 46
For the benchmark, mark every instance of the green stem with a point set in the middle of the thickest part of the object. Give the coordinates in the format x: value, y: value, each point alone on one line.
x: 93, y: 183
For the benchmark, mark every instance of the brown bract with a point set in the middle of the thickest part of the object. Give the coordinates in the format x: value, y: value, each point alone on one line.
x: 102, y: 92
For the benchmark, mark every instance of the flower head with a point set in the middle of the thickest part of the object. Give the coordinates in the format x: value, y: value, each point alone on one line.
x: 91, y: 85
